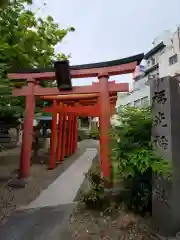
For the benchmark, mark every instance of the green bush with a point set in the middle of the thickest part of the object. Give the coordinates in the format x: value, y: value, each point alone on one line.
x: 95, y: 197
x: 94, y: 133
x: 133, y: 159
x: 81, y: 135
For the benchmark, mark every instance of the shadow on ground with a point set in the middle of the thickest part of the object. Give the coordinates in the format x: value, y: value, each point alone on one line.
x: 39, y: 224
x: 39, y: 221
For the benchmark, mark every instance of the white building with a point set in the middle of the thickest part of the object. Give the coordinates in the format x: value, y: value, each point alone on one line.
x: 162, y: 60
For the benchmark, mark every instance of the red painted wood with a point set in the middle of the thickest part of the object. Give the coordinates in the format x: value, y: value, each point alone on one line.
x: 91, y: 103
x: 53, y: 141
x: 26, y: 147
x: 68, y: 136
x: 79, y: 111
x: 71, y: 97
x: 40, y: 91
x: 66, y: 146
x: 109, y: 82
x: 105, y: 110
x: 76, y: 134
x: 81, y: 73
x: 59, y: 142
x: 92, y: 111
x: 104, y: 125
x: 73, y: 135
x: 71, y: 140
x: 64, y: 136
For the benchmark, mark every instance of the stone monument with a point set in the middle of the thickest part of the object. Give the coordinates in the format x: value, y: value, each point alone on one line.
x: 165, y: 97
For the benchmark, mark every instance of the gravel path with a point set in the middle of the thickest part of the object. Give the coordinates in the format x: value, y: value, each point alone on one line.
x: 114, y: 224
x: 12, y: 198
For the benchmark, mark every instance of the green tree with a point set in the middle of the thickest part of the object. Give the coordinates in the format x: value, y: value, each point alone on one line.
x: 3, y: 3
x: 26, y: 41
x: 134, y: 160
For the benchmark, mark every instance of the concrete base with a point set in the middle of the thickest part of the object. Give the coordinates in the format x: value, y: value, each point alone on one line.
x: 19, y: 182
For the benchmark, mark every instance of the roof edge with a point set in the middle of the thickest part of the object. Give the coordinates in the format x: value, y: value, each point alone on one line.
x: 135, y: 58
x: 154, y: 50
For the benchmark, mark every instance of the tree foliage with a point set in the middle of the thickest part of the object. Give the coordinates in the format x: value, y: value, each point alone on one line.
x: 4, y: 3
x: 133, y: 158
x: 26, y: 41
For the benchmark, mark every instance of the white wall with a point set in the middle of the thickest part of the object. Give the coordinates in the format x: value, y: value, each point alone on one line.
x: 165, y: 69
x: 174, y: 48
x: 137, y: 94
x: 137, y: 84
x: 156, y: 57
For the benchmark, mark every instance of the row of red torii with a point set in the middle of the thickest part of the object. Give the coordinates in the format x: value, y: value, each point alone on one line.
x: 96, y: 100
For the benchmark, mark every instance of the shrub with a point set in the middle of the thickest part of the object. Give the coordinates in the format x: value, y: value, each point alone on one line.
x: 133, y: 158
x: 81, y: 135
x: 95, y: 197
x: 94, y: 133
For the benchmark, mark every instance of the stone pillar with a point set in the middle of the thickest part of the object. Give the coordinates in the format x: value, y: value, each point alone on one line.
x: 165, y: 97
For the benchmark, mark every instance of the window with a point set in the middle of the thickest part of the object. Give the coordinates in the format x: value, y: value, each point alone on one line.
x: 151, y: 77
x: 162, y: 52
x: 153, y: 60
x: 137, y: 103
x: 173, y: 59
x: 144, y: 101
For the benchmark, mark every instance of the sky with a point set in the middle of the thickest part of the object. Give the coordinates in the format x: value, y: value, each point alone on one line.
x: 110, y: 29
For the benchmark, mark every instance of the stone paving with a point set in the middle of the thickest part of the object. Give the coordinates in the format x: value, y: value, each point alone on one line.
x: 39, y: 224
x: 47, y: 216
x: 63, y: 190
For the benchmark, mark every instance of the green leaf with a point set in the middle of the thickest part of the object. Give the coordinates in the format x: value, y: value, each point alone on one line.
x: 26, y: 41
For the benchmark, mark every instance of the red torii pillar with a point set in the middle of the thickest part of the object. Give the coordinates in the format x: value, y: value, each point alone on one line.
x: 64, y: 136
x: 27, y: 130
x: 75, y: 137
x: 85, y: 109
x: 67, y: 147
x: 76, y: 134
x: 70, y: 137
x: 70, y: 131
x: 59, y: 141
x: 53, y: 141
x: 73, y: 134
x: 104, y: 125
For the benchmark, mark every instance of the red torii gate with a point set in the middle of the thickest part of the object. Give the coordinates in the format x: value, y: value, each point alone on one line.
x: 101, y: 70
x: 71, y: 106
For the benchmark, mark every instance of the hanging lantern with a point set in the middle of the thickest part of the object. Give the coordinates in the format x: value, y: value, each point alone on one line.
x: 63, y: 76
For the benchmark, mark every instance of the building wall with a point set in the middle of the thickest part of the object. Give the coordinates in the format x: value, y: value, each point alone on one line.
x: 173, y: 48
x: 162, y: 58
x: 141, y: 91
x: 153, y: 60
